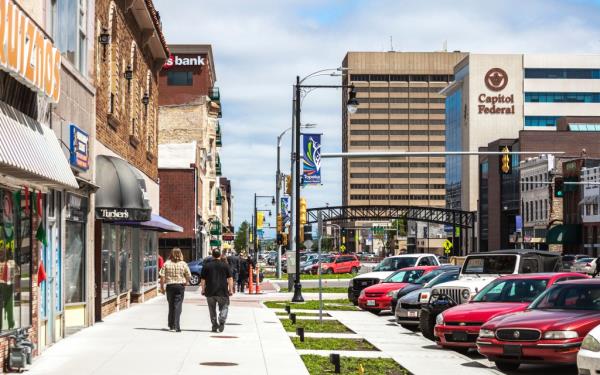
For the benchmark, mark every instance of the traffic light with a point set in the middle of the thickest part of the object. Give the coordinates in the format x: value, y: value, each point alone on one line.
x: 302, y: 211
x: 284, y: 239
x: 279, y: 239
x: 279, y: 223
x: 288, y: 185
x: 505, y: 161
x: 307, y: 230
x: 559, y: 187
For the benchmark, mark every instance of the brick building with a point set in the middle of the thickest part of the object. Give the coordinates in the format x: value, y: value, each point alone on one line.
x: 190, y: 108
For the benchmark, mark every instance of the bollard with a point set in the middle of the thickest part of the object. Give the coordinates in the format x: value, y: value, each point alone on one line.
x: 334, y: 359
x: 293, y: 318
x: 250, y: 283
x: 300, y: 333
x: 288, y: 309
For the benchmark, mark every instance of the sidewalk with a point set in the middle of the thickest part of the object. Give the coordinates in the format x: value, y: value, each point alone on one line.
x: 135, y: 341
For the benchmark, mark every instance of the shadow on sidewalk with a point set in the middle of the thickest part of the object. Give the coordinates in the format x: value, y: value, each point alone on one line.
x: 166, y: 330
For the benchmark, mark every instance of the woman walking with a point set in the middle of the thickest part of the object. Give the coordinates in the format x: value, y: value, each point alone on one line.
x: 175, y: 274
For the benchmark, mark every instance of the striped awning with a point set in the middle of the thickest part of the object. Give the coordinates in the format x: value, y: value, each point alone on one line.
x: 31, y: 151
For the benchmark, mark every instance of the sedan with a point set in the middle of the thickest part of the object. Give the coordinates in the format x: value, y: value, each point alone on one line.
x: 195, y: 269
x: 585, y: 265
x: 550, y: 331
x: 588, y: 358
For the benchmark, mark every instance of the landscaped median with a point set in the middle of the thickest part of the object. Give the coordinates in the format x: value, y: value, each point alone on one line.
x: 317, y: 365
x: 307, y: 276
x: 328, y: 304
x: 315, y: 326
x: 332, y: 343
x: 327, y: 289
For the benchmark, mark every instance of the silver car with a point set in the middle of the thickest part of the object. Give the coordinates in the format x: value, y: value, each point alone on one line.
x: 585, y: 265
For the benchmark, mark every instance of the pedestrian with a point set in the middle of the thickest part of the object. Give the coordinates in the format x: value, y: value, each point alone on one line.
x: 217, y: 285
x: 243, y: 276
x: 175, y: 273
x: 161, y: 262
x: 597, y: 270
x: 234, y: 264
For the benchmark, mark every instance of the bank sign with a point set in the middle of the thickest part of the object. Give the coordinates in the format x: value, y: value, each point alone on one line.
x: 495, y: 102
x: 175, y: 60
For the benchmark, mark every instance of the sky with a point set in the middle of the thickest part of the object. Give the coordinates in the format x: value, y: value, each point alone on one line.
x: 260, y: 46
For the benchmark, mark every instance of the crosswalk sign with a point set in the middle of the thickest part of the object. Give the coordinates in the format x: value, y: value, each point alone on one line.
x: 447, y: 246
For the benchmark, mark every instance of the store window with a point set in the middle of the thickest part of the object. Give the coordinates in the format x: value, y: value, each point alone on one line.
x: 15, y: 262
x: 150, y: 260
x: 124, y: 255
x: 109, y: 265
x: 75, y: 249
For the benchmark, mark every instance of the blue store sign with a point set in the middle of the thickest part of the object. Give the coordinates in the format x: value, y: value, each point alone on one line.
x: 79, y: 148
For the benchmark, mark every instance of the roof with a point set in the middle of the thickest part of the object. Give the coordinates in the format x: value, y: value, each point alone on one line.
x: 592, y: 281
x: 518, y: 252
x: 417, y: 268
x: 541, y: 275
x: 410, y: 255
x: 157, y: 25
x: 196, y: 48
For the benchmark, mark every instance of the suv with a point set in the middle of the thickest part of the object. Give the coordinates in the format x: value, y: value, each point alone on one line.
x: 338, y: 264
x: 385, y: 268
x: 479, y: 270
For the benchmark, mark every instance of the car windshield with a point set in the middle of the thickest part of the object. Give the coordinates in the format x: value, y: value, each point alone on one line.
x: 516, y: 290
x: 404, y: 276
x: 490, y: 264
x: 569, y: 297
x: 443, y: 278
x: 394, y: 264
x: 585, y: 260
x: 328, y: 259
x: 428, y: 277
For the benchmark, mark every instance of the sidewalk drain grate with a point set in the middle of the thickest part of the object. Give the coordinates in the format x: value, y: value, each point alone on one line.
x: 270, y: 322
x: 224, y: 337
x: 218, y: 364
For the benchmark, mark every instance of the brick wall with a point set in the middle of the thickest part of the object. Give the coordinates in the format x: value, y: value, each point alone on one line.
x: 183, y: 123
x: 123, y: 123
x: 177, y: 200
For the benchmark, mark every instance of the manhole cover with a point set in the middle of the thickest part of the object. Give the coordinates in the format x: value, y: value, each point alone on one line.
x: 218, y: 364
x: 233, y: 324
x: 224, y: 337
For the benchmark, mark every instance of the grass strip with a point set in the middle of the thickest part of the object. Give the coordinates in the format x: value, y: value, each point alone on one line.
x: 328, y: 326
x: 328, y: 289
x: 315, y: 314
x: 318, y: 365
x: 328, y: 343
x: 304, y: 276
x: 328, y: 304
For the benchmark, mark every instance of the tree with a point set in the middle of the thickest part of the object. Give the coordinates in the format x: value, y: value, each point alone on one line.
x: 239, y: 244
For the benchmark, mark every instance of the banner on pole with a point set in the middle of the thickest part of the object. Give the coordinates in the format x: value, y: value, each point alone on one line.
x: 260, y: 219
x: 284, y: 208
x: 311, y: 159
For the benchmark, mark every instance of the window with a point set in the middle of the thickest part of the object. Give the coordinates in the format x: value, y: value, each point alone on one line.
x: 69, y: 31
x: 150, y: 263
x: 562, y: 73
x: 562, y: 97
x: 109, y: 266
x: 15, y: 262
x: 175, y: 78
x: 540, y: 120
x: 75, y: 249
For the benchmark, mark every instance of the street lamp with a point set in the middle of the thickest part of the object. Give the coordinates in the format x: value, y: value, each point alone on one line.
x: 352, y: 108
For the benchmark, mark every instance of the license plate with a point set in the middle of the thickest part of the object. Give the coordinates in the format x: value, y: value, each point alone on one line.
x: 413, y: 314
x: 459, y: 336
x: 512, y: 351
x: 370, y: 303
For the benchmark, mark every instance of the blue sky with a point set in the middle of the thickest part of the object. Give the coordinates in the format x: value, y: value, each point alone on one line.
x: 261, y: 45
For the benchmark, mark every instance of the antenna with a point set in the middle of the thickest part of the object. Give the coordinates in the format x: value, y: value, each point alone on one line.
x: 391, y: 44
x: 445, y: 47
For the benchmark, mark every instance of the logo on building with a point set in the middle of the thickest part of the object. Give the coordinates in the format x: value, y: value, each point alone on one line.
x: 496, y: 79
x: 175, y: 60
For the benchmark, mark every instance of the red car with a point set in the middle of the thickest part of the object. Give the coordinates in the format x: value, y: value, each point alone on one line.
x: 550, y: 331
x: 338, y: 264
x: 379, y: 296
x: 459, y: 326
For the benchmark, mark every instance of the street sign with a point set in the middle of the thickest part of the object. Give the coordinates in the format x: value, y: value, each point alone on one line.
x: 343, y: 248
x: 291, y: 261
x: 308, y: 244
x: 447, y: 246
x: 448, y: 228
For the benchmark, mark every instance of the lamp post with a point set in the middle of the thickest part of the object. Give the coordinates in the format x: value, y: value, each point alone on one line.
x: 352, y: 106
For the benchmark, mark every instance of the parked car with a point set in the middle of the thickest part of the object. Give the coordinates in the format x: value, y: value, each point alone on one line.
x: 408, y: 309
x: 504, y: 295
x: 585, y: 265
x: 338, y: 264
x: 550, y: 331
x: 588, y: 358
x: 378, y: 297
x: 478, y: 270
x: 569, y: 259
x: 420, y: 282
x: 385, y: 268
x: 195, y: 269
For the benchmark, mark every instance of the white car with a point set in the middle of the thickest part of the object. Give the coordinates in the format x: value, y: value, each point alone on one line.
x: 588, y: 358
x: 585, y: 265
x: 388, y: 266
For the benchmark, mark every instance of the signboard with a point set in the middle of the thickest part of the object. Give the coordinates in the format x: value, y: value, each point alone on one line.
x: 519, y: 223
x: 291, y: 261
x: 28, y: 55
x: 447, y: 246
x: 311, y: 159
x: 260, y: 219
x: 448, y: 228
x: 175, y: 60
x: 122, y: 214
x: 228, y: 237
x: 285, y: 209
x: 496, y: 80
x: 79, y: 148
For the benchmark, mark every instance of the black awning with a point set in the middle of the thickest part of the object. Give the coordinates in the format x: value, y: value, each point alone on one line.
x: 122, y: 191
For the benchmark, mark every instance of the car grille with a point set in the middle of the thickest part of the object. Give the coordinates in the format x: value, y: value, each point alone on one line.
x: 374, y: 294
x: 453, y: 293
x: 514, y: 334
x: 470, y: 337
x: 464, y: 324
x: 360, y: 284
x: 408, y: 306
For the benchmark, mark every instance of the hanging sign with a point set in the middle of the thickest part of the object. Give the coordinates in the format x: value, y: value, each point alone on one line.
x: 79, y: 148
x: 285, y: 209
x: 26, y: 53
x: 311, y: 160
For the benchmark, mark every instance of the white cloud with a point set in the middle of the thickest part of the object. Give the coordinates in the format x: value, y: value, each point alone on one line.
x: 261, y: 45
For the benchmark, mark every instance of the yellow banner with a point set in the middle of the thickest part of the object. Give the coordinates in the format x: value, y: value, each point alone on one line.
x: 260, y: 219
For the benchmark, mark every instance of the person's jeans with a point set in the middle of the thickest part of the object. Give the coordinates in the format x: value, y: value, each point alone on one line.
x: 223, y: 303
x: 235, y: 274
x: 175, y: 294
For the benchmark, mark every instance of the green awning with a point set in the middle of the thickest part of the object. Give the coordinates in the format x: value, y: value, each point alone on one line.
x: 565, y: 234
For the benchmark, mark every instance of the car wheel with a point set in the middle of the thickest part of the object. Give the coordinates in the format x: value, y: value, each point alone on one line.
x: 194, y: 279
x: 426, y: 324
x: 410, y: 327
x: 354, y: 270
x: 507, y: 366
x: 376, y: 312
x: 329, y: 271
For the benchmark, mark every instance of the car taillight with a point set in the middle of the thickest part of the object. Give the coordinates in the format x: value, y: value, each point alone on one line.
x: 588, y: 264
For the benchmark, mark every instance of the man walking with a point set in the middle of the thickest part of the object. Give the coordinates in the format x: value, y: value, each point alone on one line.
x: 217, y: 285
x: 234, y: 263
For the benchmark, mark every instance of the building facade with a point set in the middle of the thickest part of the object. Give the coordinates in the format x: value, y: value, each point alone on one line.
x: 536, y: 210
x: 590, y: 215
x: 190, y: 109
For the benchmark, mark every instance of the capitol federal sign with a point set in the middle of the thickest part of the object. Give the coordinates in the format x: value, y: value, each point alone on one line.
x: 496, y: 80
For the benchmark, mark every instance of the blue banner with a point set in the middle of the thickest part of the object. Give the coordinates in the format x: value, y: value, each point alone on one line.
x: 284, y: 208
x: 311, y: 159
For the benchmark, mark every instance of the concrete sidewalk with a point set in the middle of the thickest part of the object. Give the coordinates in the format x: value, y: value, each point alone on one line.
x: 135, y: 341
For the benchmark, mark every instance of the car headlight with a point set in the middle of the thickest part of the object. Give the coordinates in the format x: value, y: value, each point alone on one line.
x: 560, y: 335
x: 391, y: 293
x: 486, y: 333
x: 362, y: 293
x: 439, y: 320
x: 424, y: 297
x: 466, y: 294
x: 591, y: 344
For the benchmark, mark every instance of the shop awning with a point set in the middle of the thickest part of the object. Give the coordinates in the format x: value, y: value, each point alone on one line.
x: 31, y: 151
x: 121, y: 195
x: 159, y: 223
x: 565, y: 234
